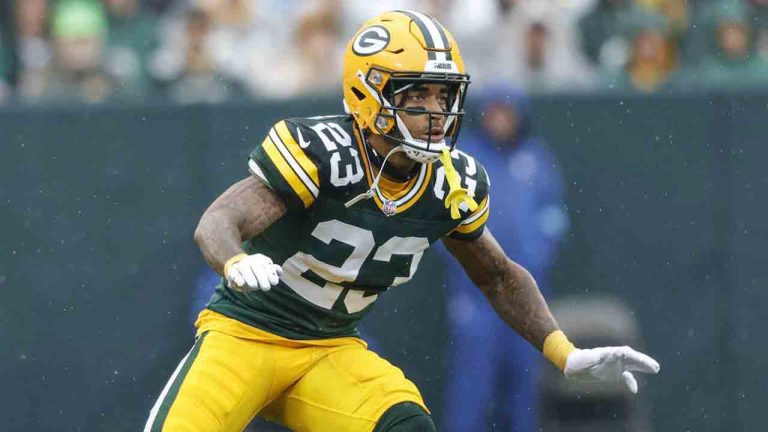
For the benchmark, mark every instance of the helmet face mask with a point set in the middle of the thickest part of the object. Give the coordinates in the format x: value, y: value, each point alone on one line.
x: 392, y: 116
x: 406, y: 57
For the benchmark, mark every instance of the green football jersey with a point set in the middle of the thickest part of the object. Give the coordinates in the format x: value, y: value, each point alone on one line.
x: 336, y: 259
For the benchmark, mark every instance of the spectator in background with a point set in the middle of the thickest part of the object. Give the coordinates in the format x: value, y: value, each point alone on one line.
x: 533, y: 46
x: 5, y: 89
x: 158, y: 6
x: 35, y: 53
x: 529, y: 221
x: 607, y: 33
x: 254, y: 41
x: 132, y: 37
x: 315, y: 64
x: 651, y: 64
x: 245, y: 42
x: 190, y: 74
x: 732, y: 62
x: 759, y: 14
x: 602, y: 42
x: 677, y: 12
x: 231, y: 25
x: 79, y: 30
x: 310, y: 64
x: 320, y: 52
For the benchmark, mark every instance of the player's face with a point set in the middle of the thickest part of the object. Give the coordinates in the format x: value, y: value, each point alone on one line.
x: 424, y: 97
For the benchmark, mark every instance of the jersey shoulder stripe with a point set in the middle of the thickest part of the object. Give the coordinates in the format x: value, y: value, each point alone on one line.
x: 475, y: 220
x: 286, y: 166
x: 285, y: 137
x: 304, y: 157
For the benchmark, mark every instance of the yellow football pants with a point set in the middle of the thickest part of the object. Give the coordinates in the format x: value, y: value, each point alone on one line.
x: 235, y: 372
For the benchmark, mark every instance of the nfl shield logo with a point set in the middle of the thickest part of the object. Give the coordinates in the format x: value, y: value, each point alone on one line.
x: 389, y: 207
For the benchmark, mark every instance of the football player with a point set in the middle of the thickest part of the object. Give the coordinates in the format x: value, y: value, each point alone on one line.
x: 336, y: 211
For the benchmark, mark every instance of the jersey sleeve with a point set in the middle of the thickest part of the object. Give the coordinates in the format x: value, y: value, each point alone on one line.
x: 287, y: 165
x: 473, y: 224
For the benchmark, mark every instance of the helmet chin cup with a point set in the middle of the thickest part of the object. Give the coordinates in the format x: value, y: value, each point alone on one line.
x: 421, y: 156
x: 416, y: 149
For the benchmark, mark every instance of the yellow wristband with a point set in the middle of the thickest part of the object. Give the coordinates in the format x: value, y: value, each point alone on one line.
x: 557, y: 347
x: 230, y: 262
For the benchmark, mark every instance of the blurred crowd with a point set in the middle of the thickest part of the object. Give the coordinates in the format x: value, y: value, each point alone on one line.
x: 207, y: 51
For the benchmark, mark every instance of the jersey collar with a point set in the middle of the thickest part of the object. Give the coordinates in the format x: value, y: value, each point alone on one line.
x: 400, y: 195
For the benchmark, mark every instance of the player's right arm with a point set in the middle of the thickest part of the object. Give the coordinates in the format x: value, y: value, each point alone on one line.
x: 285, y: 176
x: 243, y: 211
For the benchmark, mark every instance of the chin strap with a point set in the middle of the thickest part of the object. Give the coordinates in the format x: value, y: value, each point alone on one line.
x: 375, y: 185
x: 456, y: 194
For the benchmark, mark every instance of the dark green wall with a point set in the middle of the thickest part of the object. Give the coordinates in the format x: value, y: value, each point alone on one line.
x: 97, y: 209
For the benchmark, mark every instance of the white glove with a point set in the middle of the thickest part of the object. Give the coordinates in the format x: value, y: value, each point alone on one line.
x: 609, y: 364
x: 251, y: 272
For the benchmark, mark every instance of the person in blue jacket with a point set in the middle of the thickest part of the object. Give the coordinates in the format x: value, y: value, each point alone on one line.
x: 497, y: 387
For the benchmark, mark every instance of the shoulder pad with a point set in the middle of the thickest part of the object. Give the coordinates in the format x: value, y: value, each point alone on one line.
x: 332, y: 142
x: 303, y: 157
x: 288, y: 164
x: 326, y: 132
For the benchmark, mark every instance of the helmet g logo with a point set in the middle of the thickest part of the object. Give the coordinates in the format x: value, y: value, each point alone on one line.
x: 370, y: 41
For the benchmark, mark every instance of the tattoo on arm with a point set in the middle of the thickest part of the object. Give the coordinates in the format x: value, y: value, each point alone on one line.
x: 243, y: 211
x: 508, y: 286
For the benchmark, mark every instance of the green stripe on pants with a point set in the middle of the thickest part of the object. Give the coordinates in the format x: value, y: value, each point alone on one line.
x: 168, y: 396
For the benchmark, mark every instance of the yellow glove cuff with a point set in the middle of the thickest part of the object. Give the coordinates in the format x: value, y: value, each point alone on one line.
x: 557, y: 347
x: 232, y: 261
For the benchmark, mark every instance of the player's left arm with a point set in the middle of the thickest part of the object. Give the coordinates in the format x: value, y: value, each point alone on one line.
x: 514, y: 295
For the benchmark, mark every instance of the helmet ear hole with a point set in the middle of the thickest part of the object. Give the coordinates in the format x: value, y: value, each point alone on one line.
x: 359, y: 94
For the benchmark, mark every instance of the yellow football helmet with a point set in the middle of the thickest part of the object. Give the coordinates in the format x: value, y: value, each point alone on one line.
x: 390, y: 53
